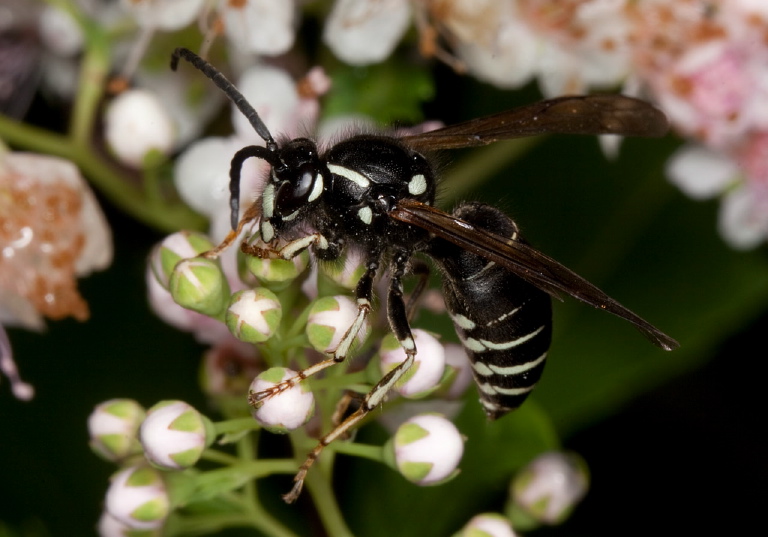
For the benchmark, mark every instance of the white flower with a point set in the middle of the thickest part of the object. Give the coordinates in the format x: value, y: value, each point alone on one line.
x: 261, y: 26
x: 135, y: 123
x: 286, y: 410
x: 488, y: 525
x: 550, y: 486
x: 360, y: 32
x: 137, y: 497
x: 428, y: 449
x: 427, y: 369
x: 53, y: 231
x: 174, y: 435
x: 113, y: 427
x: 163, y: 14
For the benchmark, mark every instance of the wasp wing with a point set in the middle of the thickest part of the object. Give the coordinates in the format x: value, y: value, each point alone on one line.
x: 578, y: 114
x: 522, y: 260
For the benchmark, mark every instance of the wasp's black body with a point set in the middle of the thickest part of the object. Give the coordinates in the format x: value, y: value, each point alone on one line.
x: 376, y: 193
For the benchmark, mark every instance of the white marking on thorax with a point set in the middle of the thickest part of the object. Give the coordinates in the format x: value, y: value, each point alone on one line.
x: 357, y: 178
x: 417, y: 185
x: 366, y: 215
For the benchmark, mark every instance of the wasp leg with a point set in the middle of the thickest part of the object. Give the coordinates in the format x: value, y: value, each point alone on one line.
x: 364, y: 294
x: 396, y: 312
x: 421, y: 270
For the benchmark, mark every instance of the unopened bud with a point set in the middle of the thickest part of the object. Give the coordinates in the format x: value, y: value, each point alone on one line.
x: 137, y: 497
x: 174, y: 435
x: 175, y: 247
x: 487, y: 525
x: 428, y: 367
x: 285, y: 410
x: 113, y: 426
x: 329, y: 319
x: 199, y: 284
x: 254, y: 315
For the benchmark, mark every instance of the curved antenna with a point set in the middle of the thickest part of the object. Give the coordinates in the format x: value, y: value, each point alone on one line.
x: 237, y: 98
x: 232, y: 93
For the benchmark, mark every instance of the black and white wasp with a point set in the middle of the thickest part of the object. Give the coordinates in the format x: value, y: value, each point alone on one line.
x: 376, y: 193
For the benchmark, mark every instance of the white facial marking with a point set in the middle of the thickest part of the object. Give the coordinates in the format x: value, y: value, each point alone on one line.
x: 267, y: 231
x: 268, y: 200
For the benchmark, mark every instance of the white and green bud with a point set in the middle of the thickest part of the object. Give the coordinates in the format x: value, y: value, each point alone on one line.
x: 277, y: 273
x: 138, y: 498
x: 547, y: 489
x: 329, y: 319
x: 347, y: 271
x: 113, y: 427
x: 199, y: 284
x: 253, y: 315
x: 286, y: 410
x: 458, y: 369
x: 426, y: 449
x: 487, y: 525
x: 175, y: 247
x: 174, y: 435
x: 109, y: 526
x: 428, y: 366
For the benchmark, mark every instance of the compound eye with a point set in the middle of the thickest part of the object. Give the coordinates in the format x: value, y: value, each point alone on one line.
x: 293, y: 194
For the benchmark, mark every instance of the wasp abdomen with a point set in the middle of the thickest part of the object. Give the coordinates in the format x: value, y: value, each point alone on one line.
x: 504, y: 323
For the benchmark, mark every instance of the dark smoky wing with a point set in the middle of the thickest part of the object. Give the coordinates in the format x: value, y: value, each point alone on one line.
x: 522, y: 260
x: 580, y: 114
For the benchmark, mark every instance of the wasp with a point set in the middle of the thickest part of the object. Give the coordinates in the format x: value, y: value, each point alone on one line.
x: 375, y: 193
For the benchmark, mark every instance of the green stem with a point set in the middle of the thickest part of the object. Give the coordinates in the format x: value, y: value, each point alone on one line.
x: 319, y: 487
x: 367, y: 451
x: 115, y: 184
x: 235, y: 425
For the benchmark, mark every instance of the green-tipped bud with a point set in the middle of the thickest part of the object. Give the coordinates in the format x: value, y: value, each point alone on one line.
x: 174, y: 435
x: 428, y: 367
x: 112, y: 427
x: 199, y: 284
x: 329, y: 319
x: 175, y: 247
x: 253, y: 315
x: 277, y: 273
x: 347, y: 271
x: 427, y: 449
x: 487, y: 525
x: 138, y: 498
x: 109, y: 526
x: 547, y: 490
x: 286, y: 410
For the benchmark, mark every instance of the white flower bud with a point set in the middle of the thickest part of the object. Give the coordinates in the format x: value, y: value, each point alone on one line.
x: 460, y: 377
x: 137, y: 497
x: 329, y: 319
x: 199, y: 284
x: 136, y: 123
x: 548, y: 488
x: 254, y: 315
x: 175, y: 247
x: 112, y: 427
x: 59, y: 31
x: 174, y: 435
x: 277, y: 273
x: 109, y: 526
x: 287, y: 410
x: 427, y: 449
x: 428, y: 366
x: 487, y: 525
x: 163, y: 14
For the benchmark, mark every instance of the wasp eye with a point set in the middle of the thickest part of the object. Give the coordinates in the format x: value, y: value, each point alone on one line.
x: 294, y: 193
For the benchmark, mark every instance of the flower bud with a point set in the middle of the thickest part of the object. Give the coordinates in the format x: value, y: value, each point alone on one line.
x: 136, y: 124
x: 286, y: 410
x: 253, y: 315
x: 199, y: 284
x: 458, y: 371
x: 547, y: 489
x: 428, y: 366
x: 277, y: 273
x: 329, y: 319
x: 175, y: 247
x: 109, y: 526
x: 487, y: 525
x: 174, y: 435
x: 427, y: 449
x: 137, y: 497
x: 112, y: 427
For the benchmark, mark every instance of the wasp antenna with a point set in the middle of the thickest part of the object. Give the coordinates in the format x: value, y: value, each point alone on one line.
x: 232, y: 93
x: 235, y: 168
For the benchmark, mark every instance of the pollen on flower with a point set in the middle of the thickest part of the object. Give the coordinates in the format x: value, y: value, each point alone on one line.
x: 42, y: 237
